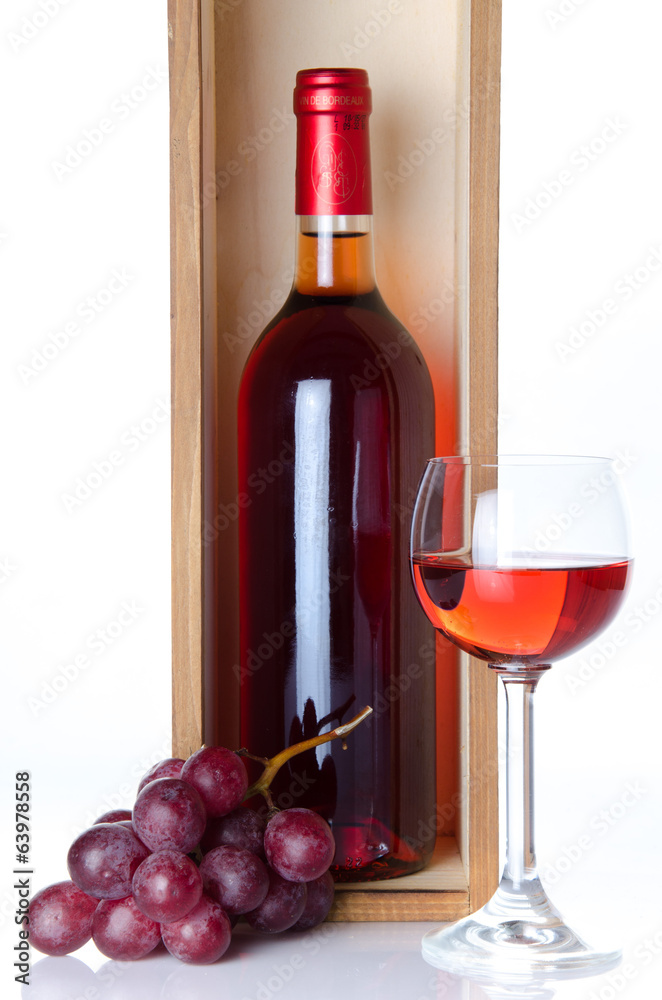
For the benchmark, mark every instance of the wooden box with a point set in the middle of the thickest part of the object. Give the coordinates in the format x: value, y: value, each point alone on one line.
x: 434, y: 68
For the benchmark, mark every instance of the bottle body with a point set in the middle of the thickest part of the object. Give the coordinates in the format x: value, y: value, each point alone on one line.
x: 329, y: 620
x: 336, y: 421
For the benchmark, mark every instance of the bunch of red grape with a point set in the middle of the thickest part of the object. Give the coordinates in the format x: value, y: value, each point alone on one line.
x: 134, y: 882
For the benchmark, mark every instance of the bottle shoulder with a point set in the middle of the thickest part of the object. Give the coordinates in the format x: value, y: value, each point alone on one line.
x: 354, y: 344
x: 308, y: 324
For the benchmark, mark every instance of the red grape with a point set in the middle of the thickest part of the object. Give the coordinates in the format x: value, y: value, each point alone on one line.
x: 121, y: 931
x: 102, y: 860
x: 169, y: 815
x: 61, y: 918
x: 299, y: 844
x: 202, y: 936
x: 319, y: 899
x: 220, y: 777
x: 171, y: 767
x: 114, y: 816
x: 281, y: 907
x: 134, y: 889
x: 242, y: 827
x: 166, y: 886
x: 235, y: 878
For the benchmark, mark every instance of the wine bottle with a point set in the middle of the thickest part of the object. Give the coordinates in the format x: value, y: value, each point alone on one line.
x: 336, y: 421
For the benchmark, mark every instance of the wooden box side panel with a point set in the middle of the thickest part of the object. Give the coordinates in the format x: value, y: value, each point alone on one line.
x: 194, y: 351
x: 478, y: 244
x: 187, y: 322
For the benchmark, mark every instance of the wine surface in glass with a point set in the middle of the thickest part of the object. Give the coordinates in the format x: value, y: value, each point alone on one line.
x: 520, y: 614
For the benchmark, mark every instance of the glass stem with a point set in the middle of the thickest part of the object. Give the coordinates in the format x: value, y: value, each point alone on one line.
x: 520, y: 868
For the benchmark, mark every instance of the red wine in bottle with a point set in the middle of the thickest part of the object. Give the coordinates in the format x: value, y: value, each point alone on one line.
x: 336, y: 421
x: 535, y: 614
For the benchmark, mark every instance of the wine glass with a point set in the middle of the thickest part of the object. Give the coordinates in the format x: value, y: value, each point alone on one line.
x: 519, y: 561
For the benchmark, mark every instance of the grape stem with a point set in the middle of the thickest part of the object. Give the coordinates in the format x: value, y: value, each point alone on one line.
x: 273, y: 765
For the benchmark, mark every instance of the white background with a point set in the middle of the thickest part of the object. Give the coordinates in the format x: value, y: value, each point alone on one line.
x: 84, y: 584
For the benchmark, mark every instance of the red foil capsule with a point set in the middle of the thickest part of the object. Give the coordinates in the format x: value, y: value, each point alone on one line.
x: 333, y: 148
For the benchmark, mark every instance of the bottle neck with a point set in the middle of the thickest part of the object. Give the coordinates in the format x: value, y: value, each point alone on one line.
x: 334, y: 255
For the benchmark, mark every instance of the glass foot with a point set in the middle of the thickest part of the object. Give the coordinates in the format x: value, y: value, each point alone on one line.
x: 526, y: 941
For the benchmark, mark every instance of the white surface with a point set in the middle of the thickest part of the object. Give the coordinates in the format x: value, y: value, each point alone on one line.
x: 353, y: 961
x: 70, y: 569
